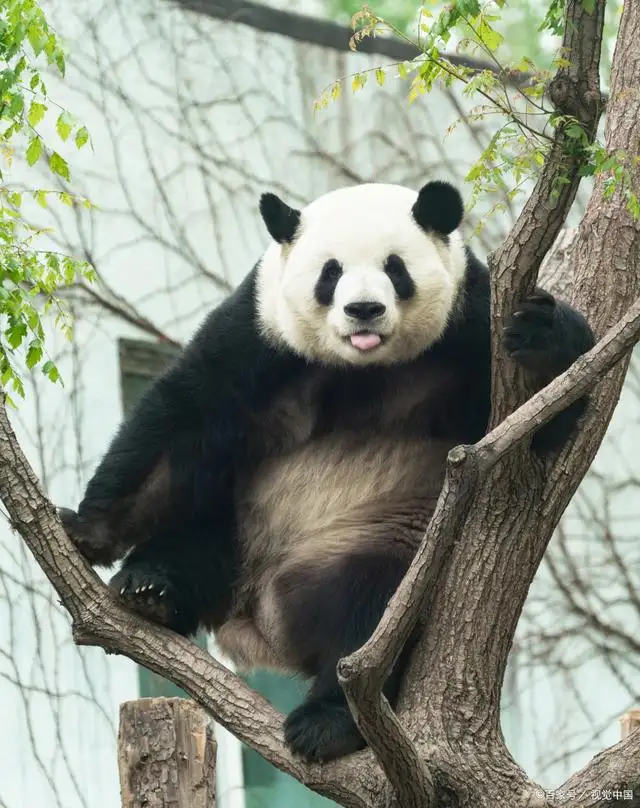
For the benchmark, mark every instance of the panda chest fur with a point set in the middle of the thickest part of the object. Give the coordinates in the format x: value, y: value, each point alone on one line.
x: 337, y: 457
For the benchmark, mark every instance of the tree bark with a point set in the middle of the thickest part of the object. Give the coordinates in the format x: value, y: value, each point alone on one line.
x: 166, y: 755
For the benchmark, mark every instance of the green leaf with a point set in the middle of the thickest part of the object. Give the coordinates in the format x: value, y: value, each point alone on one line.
x: 34, y: 150
x: 59, y: 166
x: 50, y: 370
x: 34, y: 353
x: 16, y: 333
x: 633, y: 205
x: 69, y: 271
x: 359, y: 80
x: 64, y: 125
x: 82, y: 136
x: 37, y: 38
x: 41, y: 198
x: 36, y: 113
x: 490, y: 37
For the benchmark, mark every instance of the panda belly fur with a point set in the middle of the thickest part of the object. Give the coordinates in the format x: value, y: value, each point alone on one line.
x: 346, y: 472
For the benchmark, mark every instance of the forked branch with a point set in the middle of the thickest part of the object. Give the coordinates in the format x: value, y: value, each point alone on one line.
x: 363, y: 673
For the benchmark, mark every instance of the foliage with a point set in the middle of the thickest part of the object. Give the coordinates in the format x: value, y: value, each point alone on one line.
x: 531, y: 28
x: 30, y: 277
x: 520, y: 144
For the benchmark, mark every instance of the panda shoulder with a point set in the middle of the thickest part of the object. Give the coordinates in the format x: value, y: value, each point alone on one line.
x: 230, y: 351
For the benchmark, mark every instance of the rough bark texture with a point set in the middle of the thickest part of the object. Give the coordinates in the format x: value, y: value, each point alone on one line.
x: 494, y: 518
x: 166, y: 755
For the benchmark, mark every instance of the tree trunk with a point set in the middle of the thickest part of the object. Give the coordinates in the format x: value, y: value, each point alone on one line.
x: 166, y: 755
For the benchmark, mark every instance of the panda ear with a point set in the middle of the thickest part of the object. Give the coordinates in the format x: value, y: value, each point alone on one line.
x: 438, y: 207
x: 282, y: 221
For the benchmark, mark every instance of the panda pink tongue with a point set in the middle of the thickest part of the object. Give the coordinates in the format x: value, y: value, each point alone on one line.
x: 365, y: 342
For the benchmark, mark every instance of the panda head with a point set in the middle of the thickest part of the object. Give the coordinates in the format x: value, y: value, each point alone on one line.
x: 364, y: 275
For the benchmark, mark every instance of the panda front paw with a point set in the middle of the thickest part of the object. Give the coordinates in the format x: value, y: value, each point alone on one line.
x: 150, y: 591
x: 319, y: 731
x: 529, y: 334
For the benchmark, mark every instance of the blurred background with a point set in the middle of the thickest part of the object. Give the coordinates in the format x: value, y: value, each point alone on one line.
x: 195, y: 108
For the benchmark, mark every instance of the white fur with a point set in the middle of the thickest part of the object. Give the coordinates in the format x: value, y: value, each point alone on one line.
x: 360, y: 226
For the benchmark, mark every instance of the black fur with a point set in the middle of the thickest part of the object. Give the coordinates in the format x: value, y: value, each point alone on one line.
x: 282, y: 221
x: 339, y: 607
x: 399, y: 276
x: 190, y: 431
x: 439, y: 208
x: 164, y: 491
x: 327, y: 282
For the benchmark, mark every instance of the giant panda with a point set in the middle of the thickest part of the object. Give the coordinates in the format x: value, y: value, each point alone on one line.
x: 274, y: 484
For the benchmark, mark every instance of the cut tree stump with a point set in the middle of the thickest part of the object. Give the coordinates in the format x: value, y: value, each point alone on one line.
x: 166, y: 754
x: 629, y: 722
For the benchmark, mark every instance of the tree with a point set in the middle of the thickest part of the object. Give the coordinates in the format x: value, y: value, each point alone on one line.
x: 494, y: 518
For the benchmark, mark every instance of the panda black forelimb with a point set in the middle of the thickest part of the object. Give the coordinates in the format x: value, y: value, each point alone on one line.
x: 546, y: 336
x: 172, y: 459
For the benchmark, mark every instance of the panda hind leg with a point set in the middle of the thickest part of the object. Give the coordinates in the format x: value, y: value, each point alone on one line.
x: 330, y: 610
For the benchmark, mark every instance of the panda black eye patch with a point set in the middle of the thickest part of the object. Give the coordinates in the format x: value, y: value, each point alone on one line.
x: 326, y: 284
x: 399, y: 276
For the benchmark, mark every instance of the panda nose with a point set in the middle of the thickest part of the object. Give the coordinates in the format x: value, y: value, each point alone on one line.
x: 365, y: 310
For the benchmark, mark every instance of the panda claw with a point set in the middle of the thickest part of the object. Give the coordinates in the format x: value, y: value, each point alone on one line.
x: 123, y: 590
x: 162, y: 592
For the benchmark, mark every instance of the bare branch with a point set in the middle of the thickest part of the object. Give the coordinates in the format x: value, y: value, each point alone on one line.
x: 408, y: 774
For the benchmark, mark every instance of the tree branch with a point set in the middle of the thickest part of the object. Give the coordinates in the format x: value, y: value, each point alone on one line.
x: 409, y: 775
x: 575, y: 91
x: 363, y: 673
x: 564, y: 389
x: 99, y: 619
x: 615, y: 769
